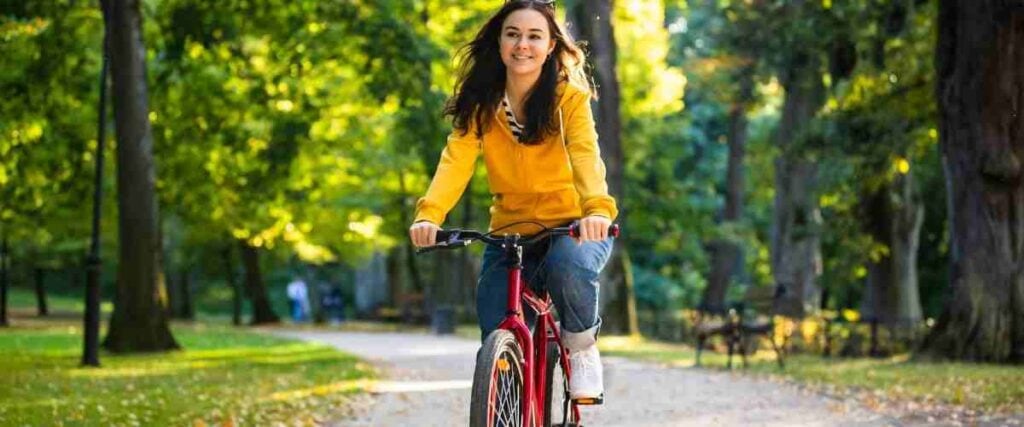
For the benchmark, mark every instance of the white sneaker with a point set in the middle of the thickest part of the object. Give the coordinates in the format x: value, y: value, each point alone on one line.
x: 587, y: 380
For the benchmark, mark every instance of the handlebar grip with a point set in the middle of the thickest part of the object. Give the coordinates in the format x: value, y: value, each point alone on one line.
x: 574, y: 230
x: 445, y: 235
x: 441, y: 239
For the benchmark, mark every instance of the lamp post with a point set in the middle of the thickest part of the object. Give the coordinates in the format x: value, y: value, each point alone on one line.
x: 94, y: 265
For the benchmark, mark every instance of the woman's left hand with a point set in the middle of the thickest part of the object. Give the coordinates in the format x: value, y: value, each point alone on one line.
x: 593, y: 228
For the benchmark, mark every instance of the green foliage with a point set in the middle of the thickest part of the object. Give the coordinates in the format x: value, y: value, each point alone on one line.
x: 274, y: 120
x: 48, y: 78
x: 310, y: 128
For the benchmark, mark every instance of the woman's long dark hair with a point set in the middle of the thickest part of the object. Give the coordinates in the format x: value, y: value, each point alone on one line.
x: 481, y: 83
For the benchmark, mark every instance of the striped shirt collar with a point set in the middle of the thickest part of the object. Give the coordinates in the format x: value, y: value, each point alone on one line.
x: 517, y: 129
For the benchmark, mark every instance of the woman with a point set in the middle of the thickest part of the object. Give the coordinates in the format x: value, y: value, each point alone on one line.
x: 523, y: 99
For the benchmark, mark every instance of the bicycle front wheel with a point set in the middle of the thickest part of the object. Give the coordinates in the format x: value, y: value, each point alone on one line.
x: 498, y: 386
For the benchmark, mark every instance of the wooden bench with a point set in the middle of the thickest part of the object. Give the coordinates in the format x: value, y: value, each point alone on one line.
x: 742, y: 324
x: 408, y: 309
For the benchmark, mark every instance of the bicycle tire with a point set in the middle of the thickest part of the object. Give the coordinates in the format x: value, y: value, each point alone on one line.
x: 564, y: 416
x: 498, y: 383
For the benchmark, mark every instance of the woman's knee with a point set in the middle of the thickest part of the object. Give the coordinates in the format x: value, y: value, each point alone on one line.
x: 582, y: 262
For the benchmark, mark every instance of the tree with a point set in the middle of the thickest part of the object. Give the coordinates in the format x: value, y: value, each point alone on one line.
x: 594, y: 19
x: 796, y: 255
x: 872, y: 143
x: 727, y: 255
x: 262, y: 313
x: 49, y: 62
x: 980, y: 87
x: 139, y: 321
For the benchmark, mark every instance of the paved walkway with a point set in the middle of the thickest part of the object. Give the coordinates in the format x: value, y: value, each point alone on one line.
x: 427, y: 382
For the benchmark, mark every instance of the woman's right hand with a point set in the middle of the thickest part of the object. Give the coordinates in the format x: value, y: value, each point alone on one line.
x: 423, y: 234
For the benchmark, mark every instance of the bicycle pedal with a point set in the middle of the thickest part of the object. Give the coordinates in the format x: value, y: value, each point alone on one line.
x: 599, y: 400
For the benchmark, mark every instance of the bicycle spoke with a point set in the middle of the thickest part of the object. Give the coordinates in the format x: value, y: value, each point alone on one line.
x: 507, y: 409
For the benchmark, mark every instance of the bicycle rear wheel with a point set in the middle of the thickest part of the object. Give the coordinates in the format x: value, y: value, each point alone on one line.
x: 557, y: 405
x: 498, y: 386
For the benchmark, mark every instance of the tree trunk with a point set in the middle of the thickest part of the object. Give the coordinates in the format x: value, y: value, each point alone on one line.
x: 262, y: 313
x: 139, y: 322
x: 796, y: 221
x: 74, y: 276
x: 371, y: 287
x: 4, y: 283
x: 394, y: 268
x: 466, y: 276
x: 173, y: 298
x: 236, y: 290
x: 727, y: 255
x: 894, y: 215
x: 979, y: 58
x: 410, y: 251
x: 593, y: 18
x: 41, y: 307
x: 185, y: 308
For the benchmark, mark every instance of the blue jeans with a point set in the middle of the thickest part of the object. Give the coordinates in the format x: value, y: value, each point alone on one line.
x: 567, y: 270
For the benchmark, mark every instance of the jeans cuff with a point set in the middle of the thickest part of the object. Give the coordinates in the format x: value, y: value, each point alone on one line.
x: 576, y: 341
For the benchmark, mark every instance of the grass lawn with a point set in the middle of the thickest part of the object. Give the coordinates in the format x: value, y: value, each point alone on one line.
x: 984, y: 387
x: 224, y: 377
x: 25, y: 300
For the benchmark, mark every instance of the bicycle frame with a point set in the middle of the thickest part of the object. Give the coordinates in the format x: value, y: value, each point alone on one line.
x: 535, y: 347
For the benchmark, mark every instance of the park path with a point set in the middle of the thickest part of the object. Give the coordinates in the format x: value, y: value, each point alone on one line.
x: 427, y: 378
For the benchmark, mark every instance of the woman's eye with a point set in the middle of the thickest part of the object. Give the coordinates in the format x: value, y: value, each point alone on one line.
x: 512, y: 35
x: 534, y: 37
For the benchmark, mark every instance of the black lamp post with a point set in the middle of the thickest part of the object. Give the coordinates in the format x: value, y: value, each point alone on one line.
x: 91, y: 348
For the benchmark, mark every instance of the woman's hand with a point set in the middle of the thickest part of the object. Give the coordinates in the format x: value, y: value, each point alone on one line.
x: 423, y: 234
x: 593, y: 228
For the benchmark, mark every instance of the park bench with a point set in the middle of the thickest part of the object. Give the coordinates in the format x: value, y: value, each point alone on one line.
x: 742, y: 324
x: 408, y: 309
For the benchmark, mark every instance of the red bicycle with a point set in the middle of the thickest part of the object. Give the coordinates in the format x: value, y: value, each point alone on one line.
x: 513, y: 383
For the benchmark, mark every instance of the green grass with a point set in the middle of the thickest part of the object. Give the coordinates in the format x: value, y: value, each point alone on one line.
x: 25, y: 300
x: 986, y: 387
x: 222, y: 376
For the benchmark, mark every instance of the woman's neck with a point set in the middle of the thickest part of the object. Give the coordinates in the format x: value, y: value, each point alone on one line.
x: 517, y: 87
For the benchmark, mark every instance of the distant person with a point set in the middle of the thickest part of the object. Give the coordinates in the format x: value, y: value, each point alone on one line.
x: 298, y: 299
x: 332, y: 304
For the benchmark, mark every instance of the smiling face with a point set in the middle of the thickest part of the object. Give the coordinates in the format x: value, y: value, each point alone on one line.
x: 525, y: 42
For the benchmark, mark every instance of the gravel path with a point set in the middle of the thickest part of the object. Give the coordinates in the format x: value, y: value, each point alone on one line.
x: 427, y: 381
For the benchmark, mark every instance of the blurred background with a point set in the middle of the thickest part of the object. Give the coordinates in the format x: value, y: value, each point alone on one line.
x: 753, y: 145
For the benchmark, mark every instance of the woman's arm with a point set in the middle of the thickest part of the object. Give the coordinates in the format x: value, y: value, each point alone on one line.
x: 587, y: 167
x: 454, y: 170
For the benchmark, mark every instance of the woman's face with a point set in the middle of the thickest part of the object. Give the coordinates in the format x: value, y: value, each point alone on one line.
x: 525, y: 42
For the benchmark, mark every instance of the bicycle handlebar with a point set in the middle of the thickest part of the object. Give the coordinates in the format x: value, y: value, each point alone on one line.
x: 456, y: 238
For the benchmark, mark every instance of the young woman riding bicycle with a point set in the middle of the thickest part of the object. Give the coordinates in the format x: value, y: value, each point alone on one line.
x: 523, y: 100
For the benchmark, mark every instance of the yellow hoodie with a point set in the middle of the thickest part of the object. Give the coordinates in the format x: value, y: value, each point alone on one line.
x: 554, y: 182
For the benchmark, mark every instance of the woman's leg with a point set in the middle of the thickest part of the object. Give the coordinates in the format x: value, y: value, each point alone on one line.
x: 492, y: 288
x: 572, y: 279
x: 491, y: 291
